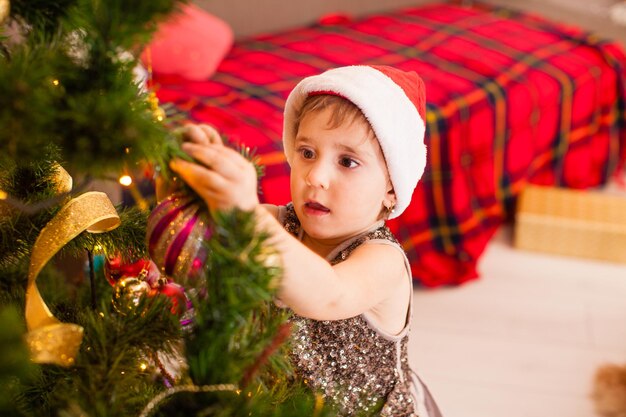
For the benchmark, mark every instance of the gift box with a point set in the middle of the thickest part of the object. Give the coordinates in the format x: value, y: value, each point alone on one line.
x: 586, y: 224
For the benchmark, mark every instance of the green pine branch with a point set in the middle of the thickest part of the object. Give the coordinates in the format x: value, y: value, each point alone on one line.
x: 43, y: 16
x: 69, y: 84
x: 127, y: 240
x: 26, y: 183
x: 238, y: 292
x: 76, y: 89
x: 15, y: 365
x: 107, y: 379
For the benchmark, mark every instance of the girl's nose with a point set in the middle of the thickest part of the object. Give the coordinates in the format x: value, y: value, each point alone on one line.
x: 318, y: 176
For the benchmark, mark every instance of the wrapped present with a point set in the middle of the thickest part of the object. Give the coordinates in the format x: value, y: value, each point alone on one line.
x: 586, y: 224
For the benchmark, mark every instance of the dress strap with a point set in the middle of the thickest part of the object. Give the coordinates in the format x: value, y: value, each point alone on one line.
x: 377, y: 232
x: 288, y: 218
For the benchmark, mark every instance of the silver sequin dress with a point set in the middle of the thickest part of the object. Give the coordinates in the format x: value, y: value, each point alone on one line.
x: 357, y: 366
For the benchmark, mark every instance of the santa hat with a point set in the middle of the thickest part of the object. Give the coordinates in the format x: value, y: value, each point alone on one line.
x: 393, y: 102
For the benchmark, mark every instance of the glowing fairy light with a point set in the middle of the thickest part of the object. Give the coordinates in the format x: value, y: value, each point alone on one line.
x: 143, y: 366
x: 159, y: 113
x: 3, y: 195
x: 126, y: 180
x: 55, y: 82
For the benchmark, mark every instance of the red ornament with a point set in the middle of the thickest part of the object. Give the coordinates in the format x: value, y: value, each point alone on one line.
x: 177, y: 296
x: 142, y: 278
x: 143, y: 269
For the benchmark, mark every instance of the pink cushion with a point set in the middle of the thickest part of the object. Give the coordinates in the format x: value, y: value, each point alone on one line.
x: 190, y: 43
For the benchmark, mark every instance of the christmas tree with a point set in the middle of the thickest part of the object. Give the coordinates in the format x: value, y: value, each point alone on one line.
x: 72, y: 111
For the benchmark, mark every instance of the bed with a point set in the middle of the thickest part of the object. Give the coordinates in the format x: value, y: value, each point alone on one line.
x: 512, y: 99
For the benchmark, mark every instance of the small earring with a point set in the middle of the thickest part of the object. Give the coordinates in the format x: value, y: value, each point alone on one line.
x: 391, y: 208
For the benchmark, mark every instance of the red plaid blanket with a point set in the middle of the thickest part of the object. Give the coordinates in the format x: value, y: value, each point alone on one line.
x: 512, y: 99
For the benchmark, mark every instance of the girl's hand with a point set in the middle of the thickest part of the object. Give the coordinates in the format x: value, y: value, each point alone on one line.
x: 220, y: 175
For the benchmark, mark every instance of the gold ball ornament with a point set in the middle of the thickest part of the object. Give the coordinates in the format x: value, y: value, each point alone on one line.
x: 128, y: 292
x: 5, y: 9
x: 5, y: 208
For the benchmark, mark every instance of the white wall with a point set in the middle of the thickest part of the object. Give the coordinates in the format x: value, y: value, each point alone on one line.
x: 251, y: 17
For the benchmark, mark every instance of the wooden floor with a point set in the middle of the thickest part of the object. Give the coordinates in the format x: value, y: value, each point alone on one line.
x: 524, y: 339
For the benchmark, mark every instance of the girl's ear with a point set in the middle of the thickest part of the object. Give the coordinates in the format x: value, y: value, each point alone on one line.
x: 390, y: 198
x: 391, y: 194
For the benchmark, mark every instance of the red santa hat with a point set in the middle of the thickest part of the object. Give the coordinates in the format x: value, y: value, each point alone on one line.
x: 393, y: 102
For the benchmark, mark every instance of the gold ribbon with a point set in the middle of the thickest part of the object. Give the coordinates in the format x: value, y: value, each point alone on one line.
x: 49, y: 340
x: 5, y: 9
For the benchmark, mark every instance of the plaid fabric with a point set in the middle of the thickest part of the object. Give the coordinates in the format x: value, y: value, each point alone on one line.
x: 512, y: 99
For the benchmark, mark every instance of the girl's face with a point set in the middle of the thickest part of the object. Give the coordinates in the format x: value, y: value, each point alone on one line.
x: 339, y: 178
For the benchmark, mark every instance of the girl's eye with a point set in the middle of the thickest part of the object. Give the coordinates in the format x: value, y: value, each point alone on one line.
x: 307, y: 153
x: 348, y: 162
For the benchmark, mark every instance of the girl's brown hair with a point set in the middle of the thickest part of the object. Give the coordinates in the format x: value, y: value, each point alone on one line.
x: 344, y: 111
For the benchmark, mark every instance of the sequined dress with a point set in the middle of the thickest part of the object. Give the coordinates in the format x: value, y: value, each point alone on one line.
x: 356, y: 365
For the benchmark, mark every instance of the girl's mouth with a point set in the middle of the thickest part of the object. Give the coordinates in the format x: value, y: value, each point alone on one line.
x: 315, y: 208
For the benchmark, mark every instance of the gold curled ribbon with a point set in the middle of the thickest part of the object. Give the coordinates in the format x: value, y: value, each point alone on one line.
x: 49, y: 340
x: 5, y: 9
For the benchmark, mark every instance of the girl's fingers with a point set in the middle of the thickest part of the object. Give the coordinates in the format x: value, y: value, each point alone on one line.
x: 201, y: 134
x: 217, y: 191
x: 195, y: 134
x: 216, y: 201
x: 224, y: 160
x: 200, y: 178
x: 212, y: 134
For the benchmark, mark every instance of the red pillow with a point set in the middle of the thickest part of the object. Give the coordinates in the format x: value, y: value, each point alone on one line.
x: 191, y: 43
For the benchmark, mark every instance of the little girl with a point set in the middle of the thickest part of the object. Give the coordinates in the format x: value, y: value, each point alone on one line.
x: 353, y: 137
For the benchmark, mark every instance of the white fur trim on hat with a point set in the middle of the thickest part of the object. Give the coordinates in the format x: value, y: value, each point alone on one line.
x: 394, y: 118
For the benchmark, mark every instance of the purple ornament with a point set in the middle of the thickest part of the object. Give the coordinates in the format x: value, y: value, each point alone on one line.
x: 176, y: 232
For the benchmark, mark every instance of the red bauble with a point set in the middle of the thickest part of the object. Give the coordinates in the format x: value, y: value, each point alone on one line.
x: 177, y: 296
x: 142, y: 277
x: 144, y: 269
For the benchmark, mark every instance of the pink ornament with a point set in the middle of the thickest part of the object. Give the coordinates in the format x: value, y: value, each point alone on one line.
x: 176, y: 231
